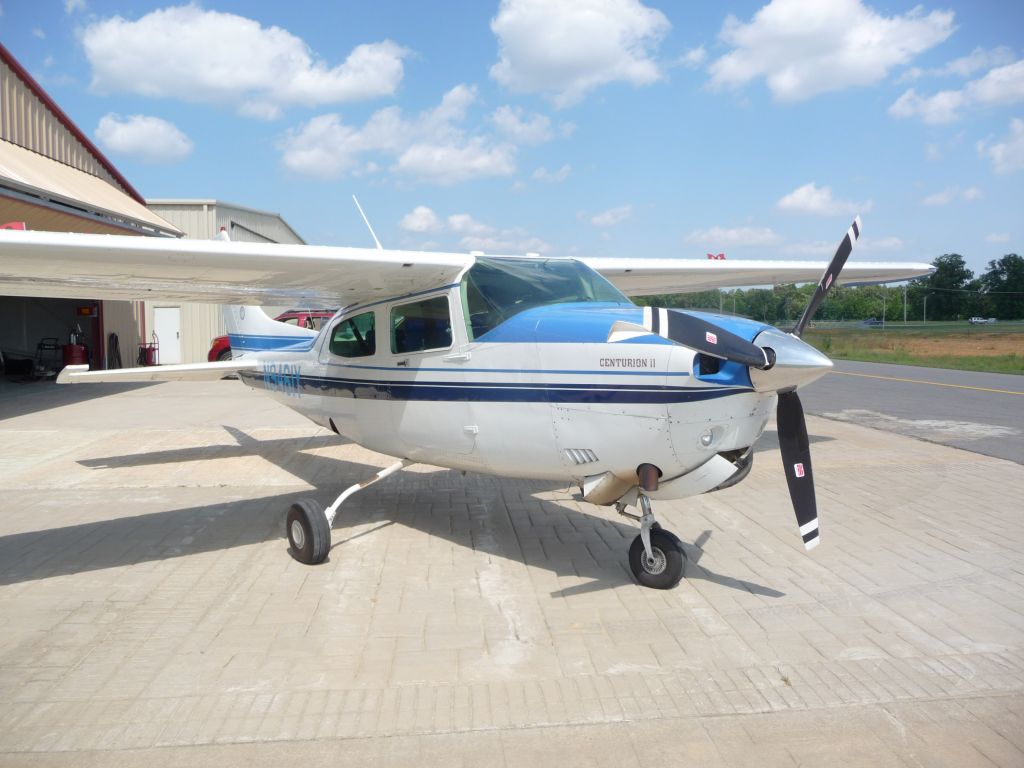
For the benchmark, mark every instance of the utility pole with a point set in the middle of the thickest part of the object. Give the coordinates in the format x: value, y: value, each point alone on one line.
x: 904, y: 303
x: 925, y: 314
x: 883, y: 307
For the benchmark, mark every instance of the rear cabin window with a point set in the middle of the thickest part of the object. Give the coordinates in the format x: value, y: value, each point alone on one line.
x: 421, y: 325
x: 354, y: 337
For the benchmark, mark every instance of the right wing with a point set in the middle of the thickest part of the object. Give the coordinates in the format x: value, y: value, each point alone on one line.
x: 645, y: 277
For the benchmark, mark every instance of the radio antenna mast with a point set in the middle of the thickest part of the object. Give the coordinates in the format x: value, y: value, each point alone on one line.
x: 372, y: 233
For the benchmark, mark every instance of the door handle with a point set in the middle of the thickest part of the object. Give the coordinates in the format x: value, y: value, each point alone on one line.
x: 457, y: 357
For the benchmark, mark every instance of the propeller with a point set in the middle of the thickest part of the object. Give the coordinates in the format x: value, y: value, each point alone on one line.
x: 831, y: 273
x: 707, y: 338
x: 789, y: 416
x: 796, y: 460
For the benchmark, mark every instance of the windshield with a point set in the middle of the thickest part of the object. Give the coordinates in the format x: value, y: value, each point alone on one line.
x: 496, y: 289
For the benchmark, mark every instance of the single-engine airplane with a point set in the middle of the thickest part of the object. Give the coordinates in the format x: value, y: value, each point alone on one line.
x: 529, y: 367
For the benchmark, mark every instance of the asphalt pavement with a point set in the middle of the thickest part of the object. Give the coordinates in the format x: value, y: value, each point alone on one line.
x: 980, y: 412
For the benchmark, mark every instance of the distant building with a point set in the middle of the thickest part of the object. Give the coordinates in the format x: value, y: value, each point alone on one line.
x: 197, y: 324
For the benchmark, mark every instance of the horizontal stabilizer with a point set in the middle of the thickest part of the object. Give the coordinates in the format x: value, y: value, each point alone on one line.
x: 80, y: 374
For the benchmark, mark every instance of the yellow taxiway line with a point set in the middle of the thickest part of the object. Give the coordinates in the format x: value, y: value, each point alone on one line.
x: 922, y: 381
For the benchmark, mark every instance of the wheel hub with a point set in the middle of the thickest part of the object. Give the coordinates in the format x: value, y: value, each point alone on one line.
x: 655, y: 565
x: 298, y: 535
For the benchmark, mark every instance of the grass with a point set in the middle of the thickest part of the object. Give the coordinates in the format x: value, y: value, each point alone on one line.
x: 947, y: 345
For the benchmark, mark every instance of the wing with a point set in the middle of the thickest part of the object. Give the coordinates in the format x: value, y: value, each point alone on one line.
x: 78, y: 266
x: 80, y: 374
x: 645, y: 277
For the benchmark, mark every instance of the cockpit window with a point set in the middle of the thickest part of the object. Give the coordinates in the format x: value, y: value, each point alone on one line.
x: 496, y: 289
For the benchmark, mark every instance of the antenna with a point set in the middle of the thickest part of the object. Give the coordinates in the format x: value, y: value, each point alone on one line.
x: 372, y: 234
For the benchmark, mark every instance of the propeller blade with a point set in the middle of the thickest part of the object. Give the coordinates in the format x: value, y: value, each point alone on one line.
x: 796, y: 459
x: 709, y: 339
x: 831, y: 273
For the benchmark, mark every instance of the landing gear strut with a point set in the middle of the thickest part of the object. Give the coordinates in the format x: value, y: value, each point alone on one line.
x: 309, y: 525
x: 656, y: 556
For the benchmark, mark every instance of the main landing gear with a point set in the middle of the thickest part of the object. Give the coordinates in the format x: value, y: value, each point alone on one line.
x: 308, y: 524
x: 656, y: 556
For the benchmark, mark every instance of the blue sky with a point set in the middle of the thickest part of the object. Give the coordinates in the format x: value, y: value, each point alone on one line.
x: 594, y: 127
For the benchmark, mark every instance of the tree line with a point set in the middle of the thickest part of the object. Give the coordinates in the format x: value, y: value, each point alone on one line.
x: 952, y: 292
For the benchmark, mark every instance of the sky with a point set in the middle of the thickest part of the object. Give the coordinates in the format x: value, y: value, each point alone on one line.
x: 592, y: 127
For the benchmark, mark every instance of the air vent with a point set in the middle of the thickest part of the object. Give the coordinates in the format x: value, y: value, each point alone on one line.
x: 581, y: 455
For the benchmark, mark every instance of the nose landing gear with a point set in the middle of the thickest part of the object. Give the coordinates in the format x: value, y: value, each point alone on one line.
x: 656, y: 556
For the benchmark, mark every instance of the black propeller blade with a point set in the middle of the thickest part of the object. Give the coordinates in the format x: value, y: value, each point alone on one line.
x: 707, y: 338
x: 831, y: 273
x: 796, y: 458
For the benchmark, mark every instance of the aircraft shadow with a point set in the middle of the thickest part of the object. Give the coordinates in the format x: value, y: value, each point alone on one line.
x: 551, y: 533
x: 23, y: 398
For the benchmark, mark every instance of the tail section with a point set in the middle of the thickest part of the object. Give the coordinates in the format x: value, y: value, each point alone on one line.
x: 251, y: 330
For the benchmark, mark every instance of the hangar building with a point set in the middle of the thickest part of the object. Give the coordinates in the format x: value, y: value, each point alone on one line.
x: 53, y: 178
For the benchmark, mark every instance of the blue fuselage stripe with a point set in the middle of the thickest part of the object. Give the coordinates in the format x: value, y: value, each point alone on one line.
x: 490, y: 392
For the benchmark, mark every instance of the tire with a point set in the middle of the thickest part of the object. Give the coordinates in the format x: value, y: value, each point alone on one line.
x: 224, y: 356
x: 669, y: 560
x: 308, y: 532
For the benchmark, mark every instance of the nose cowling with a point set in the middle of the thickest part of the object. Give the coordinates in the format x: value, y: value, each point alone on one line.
x: 796, y: 363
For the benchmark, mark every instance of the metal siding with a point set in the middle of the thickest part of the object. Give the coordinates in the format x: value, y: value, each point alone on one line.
x: 29, y: 124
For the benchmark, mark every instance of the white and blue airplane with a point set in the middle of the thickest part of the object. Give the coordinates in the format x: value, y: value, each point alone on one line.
x: 520, y: 366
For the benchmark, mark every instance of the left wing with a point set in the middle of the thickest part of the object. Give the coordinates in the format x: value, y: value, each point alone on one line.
x: 645, y: 277
x: 77, y: 266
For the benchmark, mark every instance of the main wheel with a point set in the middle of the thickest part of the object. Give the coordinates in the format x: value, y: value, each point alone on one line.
x: 308, y: 532
x: 224, y: 356
x: 665, y: 569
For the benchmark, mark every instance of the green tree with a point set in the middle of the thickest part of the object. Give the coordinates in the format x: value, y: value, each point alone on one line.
x: 1004, y: 283
x: 945, y: 288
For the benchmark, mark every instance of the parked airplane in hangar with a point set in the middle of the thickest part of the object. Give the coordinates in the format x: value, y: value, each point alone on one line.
x: 529, y: 367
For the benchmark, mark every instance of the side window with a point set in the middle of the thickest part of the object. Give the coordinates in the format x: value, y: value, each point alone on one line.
x: 290, y: 321
x: 421, y: 325
x: 354, y: 337
x: 316, y: 321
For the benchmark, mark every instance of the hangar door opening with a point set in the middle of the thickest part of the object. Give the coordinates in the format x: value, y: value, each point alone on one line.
x: 167, y: 327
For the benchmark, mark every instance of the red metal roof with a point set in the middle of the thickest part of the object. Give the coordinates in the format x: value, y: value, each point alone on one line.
x: 59, y: 113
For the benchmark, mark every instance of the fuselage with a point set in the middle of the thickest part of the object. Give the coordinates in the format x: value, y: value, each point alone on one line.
x: 463, y: 376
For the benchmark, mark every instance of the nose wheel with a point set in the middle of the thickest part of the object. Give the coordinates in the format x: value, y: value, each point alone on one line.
x: 656, y: 556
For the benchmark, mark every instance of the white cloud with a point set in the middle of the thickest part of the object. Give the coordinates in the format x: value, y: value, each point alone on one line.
x: 1007, y: 156
x: 37, y: 32
x: 612, y: 216
x: 507, y: 241
x: 965, y: 66
x: 819, y: 201
x: 803, y: 49
x: 430, y: 146
x: 146, y: 138
x: 693, y: 58
x: 420, y: 219
x: 949, y: 194
x: 566, y: 50
x: 71, y: 6
x: 999, y: 87
x: 449, y: 163
x: 998, y: 237
x: 464, y: 224
x: 552, y: 177
x: 509, y: 121
x: 723, y: 236
x: 195, y: 55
